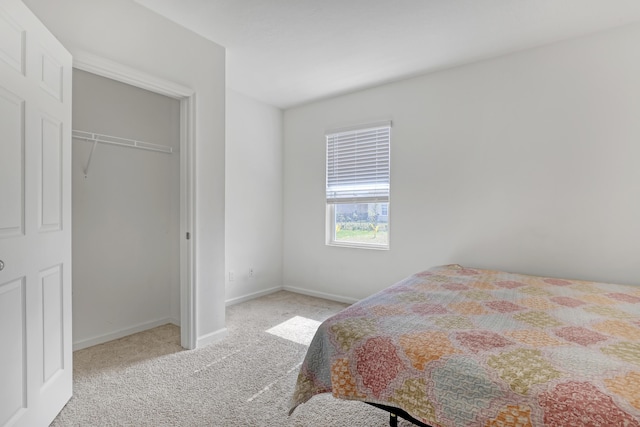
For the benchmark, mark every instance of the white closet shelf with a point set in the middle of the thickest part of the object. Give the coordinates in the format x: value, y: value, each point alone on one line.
x: 116, y: 140
x: 123, y: 142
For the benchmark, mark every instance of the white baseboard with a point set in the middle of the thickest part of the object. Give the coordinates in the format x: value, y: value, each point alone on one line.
x: 89, y: 342
x: 323, y: 295
x: 251, y: 296
x: 212, y: 337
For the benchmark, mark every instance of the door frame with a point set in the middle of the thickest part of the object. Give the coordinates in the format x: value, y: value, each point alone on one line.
x: 187, y: 97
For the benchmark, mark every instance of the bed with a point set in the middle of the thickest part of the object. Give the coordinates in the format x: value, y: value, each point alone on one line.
x: 455, y: 346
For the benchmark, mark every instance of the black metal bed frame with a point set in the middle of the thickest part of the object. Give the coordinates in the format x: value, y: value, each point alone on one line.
x: 394, y: 413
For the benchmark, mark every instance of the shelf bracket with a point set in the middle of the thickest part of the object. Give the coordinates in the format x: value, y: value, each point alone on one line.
x: 86, y: 168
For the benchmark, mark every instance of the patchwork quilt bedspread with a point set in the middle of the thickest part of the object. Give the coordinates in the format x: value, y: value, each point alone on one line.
x: 454, y: 346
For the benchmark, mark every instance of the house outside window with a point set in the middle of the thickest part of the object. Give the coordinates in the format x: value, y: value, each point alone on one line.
x: 358, y: 186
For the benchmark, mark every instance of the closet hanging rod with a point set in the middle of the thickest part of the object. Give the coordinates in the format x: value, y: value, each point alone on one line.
x: 123, y: 142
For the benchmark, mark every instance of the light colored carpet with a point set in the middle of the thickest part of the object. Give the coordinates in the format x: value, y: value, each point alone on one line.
x: 247, y: 379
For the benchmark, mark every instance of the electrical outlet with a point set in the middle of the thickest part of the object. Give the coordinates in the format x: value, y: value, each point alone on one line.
x: 232, y: 276
x: 250, y: 272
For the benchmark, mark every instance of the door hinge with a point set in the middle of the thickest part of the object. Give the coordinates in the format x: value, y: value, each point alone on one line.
x: 188, y: 235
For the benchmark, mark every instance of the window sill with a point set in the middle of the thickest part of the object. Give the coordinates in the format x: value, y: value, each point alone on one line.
x: 358, y: 246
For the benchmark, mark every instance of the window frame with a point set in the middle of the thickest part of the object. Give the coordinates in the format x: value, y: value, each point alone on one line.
x: 330, y: 213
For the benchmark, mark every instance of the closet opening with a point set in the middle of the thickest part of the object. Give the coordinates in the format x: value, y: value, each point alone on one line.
x: 132, y: 198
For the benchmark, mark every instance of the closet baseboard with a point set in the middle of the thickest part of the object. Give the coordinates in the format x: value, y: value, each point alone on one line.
x: 90, y: 342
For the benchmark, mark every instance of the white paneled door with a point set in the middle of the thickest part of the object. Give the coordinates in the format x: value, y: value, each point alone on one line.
x: 35, y: 220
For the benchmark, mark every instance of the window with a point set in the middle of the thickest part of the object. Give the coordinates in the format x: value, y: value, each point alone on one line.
x: 358, y: 186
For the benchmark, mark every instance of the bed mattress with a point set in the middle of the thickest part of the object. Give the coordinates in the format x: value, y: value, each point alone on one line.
x: 455, y: 346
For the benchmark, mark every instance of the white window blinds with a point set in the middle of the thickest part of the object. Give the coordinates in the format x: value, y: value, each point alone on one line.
x: 358, y: 165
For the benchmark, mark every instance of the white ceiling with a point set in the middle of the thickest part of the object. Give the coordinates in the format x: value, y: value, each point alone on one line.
x: 288, y: 52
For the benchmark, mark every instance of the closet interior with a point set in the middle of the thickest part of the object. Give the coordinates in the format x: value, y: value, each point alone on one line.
x: 126, y: 209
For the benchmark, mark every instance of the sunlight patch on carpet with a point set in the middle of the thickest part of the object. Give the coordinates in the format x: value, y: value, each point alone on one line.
x: 297, y: 329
